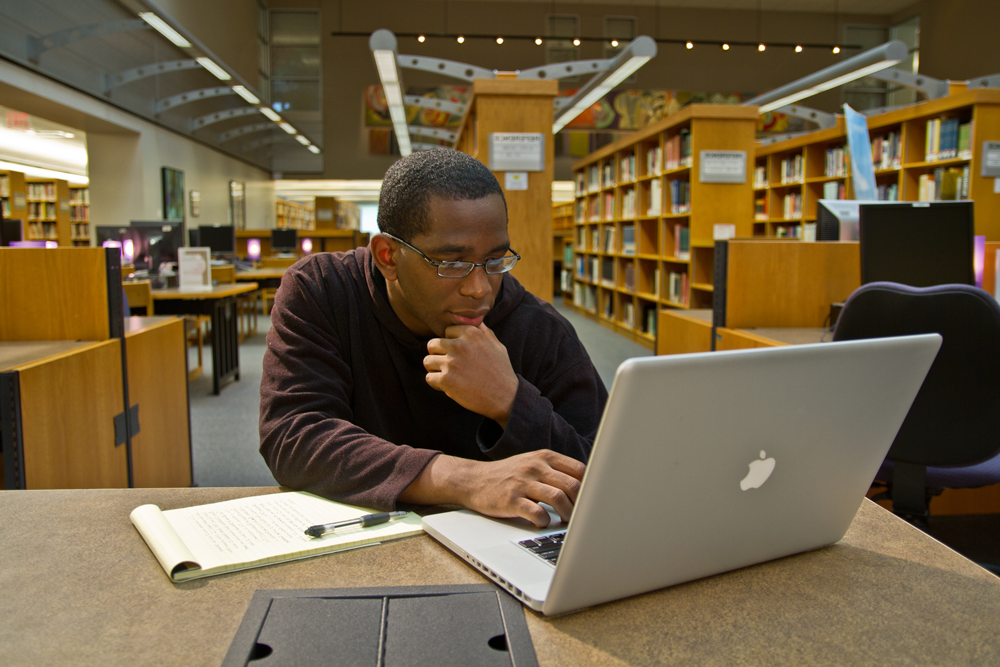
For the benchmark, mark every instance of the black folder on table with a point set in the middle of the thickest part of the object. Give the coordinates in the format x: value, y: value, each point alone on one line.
x: 413, y: 625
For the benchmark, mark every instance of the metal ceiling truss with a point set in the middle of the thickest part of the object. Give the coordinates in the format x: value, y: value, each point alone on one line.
x: 929, y: 86
x: 39, y: 45
x: 218, y: 116
x: 244, y: 130
x: 112, y: 81
x: 563, y: 70
x: 821, y: 118
x: 434, y: 103
x: 265, y: 141
x: 447, y: 67
x: 190, y: 96
x: 991, y: 81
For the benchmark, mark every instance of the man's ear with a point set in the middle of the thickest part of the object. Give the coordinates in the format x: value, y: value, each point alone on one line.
x: 383, y: 251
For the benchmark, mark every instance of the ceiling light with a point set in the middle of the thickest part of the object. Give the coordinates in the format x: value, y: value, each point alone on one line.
x: 219, y: 73
x: 636, y: 54
x: 538, y: 41
x: 314, y: 150
x: 165, y: 30
x: 689, y: 45
x: 576, y: 42
x: 461, y: 40
x: 499, y: 40
x: 38, y: 172
x: 421, y: 39
x: 383, y: 46
x: 836, y: 49
x: 246, y: 94
x: 853, y: 68
x: 798, y: 49
x: 302, y: 140
x: 270, y: 114
x: 725, y: 47
x: 614, y: 43
x: 286, y: 127
x: 761, y: 47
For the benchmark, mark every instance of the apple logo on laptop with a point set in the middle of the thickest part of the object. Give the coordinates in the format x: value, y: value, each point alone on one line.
x: 759, y: 472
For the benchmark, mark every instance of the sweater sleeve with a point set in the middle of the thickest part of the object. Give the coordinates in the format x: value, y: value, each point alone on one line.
x: 307, y: 434
x: 561, y: 415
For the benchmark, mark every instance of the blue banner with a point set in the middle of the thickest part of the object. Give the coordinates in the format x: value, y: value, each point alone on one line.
x: 860, y: 147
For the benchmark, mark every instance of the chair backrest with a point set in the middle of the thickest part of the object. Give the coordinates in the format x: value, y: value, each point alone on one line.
x: 140, y: 295
x: 954, y: 419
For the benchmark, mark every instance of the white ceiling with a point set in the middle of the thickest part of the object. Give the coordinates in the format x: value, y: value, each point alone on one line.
x: 880, y: 7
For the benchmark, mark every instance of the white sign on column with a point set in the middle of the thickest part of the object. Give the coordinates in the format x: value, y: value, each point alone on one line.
x: 517, y: 151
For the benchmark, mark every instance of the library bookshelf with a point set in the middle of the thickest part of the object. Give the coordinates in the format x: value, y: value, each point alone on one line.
x: 79, y: 214
x: 294, y: 215
x: 562, y: 247
x: 645, y: 222
x: 48, y: 216
x: 923, y: 152
x: 13, y: 195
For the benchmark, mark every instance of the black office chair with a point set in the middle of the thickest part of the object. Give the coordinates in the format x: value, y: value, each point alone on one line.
x: 951, y: 436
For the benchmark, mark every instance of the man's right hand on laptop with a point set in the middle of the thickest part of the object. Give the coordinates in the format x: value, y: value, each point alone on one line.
x: 511, y: 487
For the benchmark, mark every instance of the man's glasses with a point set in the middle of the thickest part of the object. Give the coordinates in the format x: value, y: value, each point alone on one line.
x: 462, y: 269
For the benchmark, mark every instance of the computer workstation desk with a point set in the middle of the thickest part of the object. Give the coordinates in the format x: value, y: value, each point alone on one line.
x: 81, y: 587
x: 219, y: 304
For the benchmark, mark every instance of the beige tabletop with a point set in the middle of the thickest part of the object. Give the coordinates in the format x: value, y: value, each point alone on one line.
x: 261, y: 274
x: 217, y: 292
x: 19, y: 353
x: 80, y: 587
x: 794, y: 336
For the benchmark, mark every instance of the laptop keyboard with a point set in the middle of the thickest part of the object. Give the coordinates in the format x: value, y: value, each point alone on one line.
x: 546, y: 547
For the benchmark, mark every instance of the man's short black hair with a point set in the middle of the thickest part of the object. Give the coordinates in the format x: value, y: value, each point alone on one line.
x: 411, y: 181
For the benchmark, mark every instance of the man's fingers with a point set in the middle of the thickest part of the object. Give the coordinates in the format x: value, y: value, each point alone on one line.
x: 456, y: 330
x: 567, y: 484
x: 554, y: 497
x: 565, y: 464
x: 532, y: 511
x: 434, y: 362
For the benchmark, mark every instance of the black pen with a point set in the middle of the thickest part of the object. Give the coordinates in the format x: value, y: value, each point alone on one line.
x: 363, y: 521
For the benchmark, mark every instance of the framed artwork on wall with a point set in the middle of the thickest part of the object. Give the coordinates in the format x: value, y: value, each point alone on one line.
x: 173, y: 193
x: 237, y: 205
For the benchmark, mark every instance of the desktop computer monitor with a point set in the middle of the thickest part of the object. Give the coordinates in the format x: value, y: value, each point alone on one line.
x: 284, y: 240
x: 220, y: 238
x: 917, y: 243
x: 10, y: 231
x: 837, y: 219
x: 156, y: 242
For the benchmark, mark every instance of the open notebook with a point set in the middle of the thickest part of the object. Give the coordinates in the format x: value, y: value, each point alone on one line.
x: 240, y: 534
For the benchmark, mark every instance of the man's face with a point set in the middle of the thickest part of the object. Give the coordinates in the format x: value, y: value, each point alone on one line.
x: 470, y: 230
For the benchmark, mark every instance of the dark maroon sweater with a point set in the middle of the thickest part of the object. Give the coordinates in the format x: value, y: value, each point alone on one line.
x: 345, y: 411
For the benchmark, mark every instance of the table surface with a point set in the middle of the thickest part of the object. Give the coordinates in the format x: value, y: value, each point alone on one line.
x: 20, y: 353
x: 81, y: 587
x: 217, y: 292
x: 261, y: 274
x: 794, y: 336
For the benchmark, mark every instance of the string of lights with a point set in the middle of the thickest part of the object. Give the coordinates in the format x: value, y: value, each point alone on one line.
x: 689, y: 44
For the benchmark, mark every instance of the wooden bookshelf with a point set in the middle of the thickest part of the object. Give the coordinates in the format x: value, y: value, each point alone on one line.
x: 904, y: 137
x: 47, y: 217
x: 13, y: 196
x: 79, y: 214
x: 294, y: 215
x: 562, y: 248
x: 638, y: 199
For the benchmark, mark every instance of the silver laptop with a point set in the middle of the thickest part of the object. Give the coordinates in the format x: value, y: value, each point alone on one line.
x: 706, y: 463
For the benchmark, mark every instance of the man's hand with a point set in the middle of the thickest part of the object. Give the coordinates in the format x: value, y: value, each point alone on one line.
x: 472, y: 367
x: 508, y: 488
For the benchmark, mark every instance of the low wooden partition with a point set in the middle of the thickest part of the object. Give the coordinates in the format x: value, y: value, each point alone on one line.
x: 67, y: 415
x: 324, y: 240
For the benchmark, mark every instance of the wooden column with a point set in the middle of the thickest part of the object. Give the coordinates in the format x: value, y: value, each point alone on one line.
x: 512, y: 105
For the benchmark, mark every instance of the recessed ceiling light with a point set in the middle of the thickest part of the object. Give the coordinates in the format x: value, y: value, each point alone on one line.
x: 614, y: 42
x: 538, y: 41
x: 421, y: 39
x: 836, y: 49
x: 725, y: 47
x: 499, y: 40
x: 689, y: 45
x: 761, y: 47
x: 798, y: 49
x: 461, y: 40
x: 576, y: 42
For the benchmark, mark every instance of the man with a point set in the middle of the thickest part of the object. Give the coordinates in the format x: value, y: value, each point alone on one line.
x: 418, y: 370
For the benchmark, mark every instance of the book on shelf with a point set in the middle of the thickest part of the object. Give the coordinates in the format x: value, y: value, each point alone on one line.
x: 682, y: 242
x: 760, y: 207
x: 944, y: 184
x: 568, y: 254
x: 834, y: 190
x: 595, y: 239
x: 581, y: 210
x: 609, y: 239
x: 655, y: 198
x: 791, y: 169
x: 677, y: 288
x: 628, y: 314
x: 629, y: 203
x: 581, y: 238
x: 677, y: 150
x: 888, y: 192
x: 680, y: 197
x: 835, y: 158
x: 788, y: 231
x: 628, y: 168
x: 609, y: 306
x: 4, y: 185
x: 809, y: 231
x: 656, y: 282
x: 206, y: 540
x: 628, y: 276
x: 608, y: 272
x: 965, y: 141
x: 595, y: 268
x: 760, y: 177
x: 581, y: 184
x: 792, y: 204
x: 649, y: 320
x: 609, y: 206
x: 947, y: 138
x: 581, y: 267
x: 608, y: 175
x: 653, y: 161
x: 628, y: 239
x: 887, y: 151
x: 593, y: 179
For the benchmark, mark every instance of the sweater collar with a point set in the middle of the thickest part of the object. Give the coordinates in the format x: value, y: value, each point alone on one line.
x: 511, y: 293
